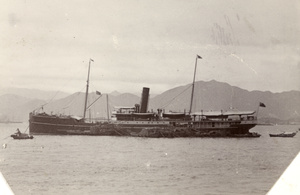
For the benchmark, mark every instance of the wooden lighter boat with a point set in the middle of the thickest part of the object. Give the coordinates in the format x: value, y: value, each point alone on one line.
x: 284, y: 134
x: 21, y: 136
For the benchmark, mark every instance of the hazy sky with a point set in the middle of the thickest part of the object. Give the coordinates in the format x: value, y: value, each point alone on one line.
x: 47, y: 44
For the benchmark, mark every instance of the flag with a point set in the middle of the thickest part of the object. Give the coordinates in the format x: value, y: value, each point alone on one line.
x: 98, y: 93
x: 262, y: 104
x: 199, y: 57
x: 91, y: 59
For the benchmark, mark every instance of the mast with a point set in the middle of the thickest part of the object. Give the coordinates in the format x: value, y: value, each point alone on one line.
x: 193, y: 85
x: 87, y: 89
x: 107, y: 108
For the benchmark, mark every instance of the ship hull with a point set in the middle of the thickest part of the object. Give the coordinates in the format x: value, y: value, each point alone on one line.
x: 54, y: 125
x: 283, y: 135
x: 170, y: 129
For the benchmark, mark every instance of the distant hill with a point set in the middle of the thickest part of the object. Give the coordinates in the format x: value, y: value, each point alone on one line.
x: 16, y: 108
x: 215, y: 95
x: 280, y: 108
x: 115, y: 93
x: 34, y: 93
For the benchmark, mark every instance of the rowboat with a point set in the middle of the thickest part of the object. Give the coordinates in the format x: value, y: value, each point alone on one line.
x: 284, y: 134
x: 21, y: 136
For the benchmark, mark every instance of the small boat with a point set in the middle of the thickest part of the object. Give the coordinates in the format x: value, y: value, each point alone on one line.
x: 21, y: 136
x: 284, y: 134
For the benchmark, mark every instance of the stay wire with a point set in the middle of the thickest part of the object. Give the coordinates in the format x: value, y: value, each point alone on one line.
x: 72, y: 101
x: 169, y: 102
x: 57, y: 92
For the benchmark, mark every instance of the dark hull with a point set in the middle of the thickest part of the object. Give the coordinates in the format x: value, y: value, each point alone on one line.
x: 22, y: 136
x: 283, y: 135
x: 156, y: 130
x: 54, y: 125
x: 250, y: 135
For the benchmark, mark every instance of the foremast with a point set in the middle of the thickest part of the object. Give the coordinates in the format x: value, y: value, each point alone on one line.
x: 87, y: 89
x: 193, y: 85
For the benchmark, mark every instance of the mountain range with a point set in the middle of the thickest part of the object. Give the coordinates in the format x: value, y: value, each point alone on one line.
x: 212, y: 95
x: 38, y: 94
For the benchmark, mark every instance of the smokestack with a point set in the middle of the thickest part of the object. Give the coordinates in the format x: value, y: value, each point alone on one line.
x: 144, y: 100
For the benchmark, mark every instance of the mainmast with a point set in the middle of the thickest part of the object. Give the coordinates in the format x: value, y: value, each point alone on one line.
x: 87, y: 89
x: 107, y: 107
x: 193, y: 85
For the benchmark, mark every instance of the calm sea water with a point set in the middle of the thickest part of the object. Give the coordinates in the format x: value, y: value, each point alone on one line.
x: 128, y: 165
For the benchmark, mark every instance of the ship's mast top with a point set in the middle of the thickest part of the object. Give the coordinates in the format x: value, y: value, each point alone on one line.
x: 193, y: 85
x: 87, y: 89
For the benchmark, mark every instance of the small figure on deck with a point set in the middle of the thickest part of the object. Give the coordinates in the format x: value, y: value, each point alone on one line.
x: 18, y: 132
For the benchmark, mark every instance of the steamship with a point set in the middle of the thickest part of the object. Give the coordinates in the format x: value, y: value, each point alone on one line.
x: 137, y: 121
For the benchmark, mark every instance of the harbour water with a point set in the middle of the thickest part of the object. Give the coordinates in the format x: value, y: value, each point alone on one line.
x: 131, y: 165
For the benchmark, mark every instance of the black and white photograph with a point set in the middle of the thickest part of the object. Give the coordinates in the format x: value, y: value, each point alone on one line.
x: 149, y: 97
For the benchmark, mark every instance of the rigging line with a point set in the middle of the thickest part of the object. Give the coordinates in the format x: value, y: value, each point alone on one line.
x: 48, y: 101
x: 26, y: 129
x: 56, y: 94
x: 53, y: 98
x: 94, y: 101
x: 80, y: 69
x: 168, y: 103
x: 64, y: 85
x: 72, y: 101
x: 111, y: 101
x: 93, y: 87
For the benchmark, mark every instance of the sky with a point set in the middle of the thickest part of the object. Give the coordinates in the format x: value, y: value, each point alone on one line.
x: 254, y: 45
